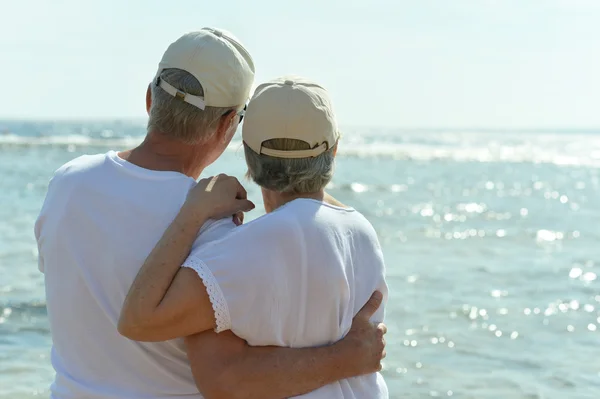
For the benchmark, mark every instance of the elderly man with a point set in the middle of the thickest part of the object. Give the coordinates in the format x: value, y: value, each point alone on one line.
x: 104, y: 213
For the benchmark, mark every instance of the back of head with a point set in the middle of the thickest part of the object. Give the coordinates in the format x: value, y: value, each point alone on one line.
x: 290, y: 135
x: 202, y: 76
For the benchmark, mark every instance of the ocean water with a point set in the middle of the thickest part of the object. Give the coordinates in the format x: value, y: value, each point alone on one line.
x: 491, y: 241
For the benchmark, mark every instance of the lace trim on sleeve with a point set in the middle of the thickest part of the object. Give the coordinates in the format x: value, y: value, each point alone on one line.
x: 217, y: 299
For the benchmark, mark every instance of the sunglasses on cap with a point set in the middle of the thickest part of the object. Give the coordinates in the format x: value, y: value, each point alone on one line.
x: 240, y: 113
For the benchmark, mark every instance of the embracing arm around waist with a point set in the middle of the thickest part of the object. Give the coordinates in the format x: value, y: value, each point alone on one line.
x: 226, y: 367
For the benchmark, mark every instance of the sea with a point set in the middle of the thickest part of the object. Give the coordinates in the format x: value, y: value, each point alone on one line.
x: 491, y: 240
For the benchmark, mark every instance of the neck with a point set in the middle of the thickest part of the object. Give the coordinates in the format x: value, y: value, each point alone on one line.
x: 159, y: 152
x: 273, y: 200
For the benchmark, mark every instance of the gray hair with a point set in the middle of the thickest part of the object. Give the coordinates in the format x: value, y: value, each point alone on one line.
x: 177, y: 119
x: 290, y: 175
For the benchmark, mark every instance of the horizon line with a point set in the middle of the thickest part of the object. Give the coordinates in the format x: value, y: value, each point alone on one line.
x: 121, y: 119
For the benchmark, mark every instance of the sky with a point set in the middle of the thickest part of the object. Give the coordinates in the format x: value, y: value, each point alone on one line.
x: 389, y: 63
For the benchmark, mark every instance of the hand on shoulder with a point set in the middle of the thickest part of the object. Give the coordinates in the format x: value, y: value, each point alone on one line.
x: 217, y: 197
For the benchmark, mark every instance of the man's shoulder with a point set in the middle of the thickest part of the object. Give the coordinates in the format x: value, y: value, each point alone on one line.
x: 76, y: 170
x: 81, y: 164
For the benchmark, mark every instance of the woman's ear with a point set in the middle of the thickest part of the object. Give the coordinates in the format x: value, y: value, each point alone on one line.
x: 148, y: 99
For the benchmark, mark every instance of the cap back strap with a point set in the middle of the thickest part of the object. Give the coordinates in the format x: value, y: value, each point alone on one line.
x: 196, y: 101
x: 314, y: 152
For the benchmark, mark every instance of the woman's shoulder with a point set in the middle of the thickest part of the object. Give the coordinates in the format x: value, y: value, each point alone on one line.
x: 272, y: 226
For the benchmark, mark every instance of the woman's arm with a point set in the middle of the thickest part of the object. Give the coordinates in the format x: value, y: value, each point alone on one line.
x: 165, y: 301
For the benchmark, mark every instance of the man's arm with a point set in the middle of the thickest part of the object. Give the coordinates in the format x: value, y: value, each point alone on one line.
x: 224, y: 366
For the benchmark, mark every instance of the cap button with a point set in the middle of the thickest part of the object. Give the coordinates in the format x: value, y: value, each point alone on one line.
x: 289, y: 82
x: 218, y: 33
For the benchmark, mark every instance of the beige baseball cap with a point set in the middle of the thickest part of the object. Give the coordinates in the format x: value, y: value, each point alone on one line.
x: 290, y: 107
x: 218, y: 60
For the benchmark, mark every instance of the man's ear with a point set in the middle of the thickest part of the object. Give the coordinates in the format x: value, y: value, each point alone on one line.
x: 225, y: 123
x: 148, y: 99
x: 335, y: 147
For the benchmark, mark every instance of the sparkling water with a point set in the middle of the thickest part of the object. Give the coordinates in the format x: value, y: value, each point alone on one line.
x: 491, y: 241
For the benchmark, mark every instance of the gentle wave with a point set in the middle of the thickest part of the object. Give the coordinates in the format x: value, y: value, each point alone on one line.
x: 37, y: 308
x: 13, y: 140
x: 561, y: 150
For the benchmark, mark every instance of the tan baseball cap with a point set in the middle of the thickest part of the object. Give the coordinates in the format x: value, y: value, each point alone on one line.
x: 290, y: 107
x: 218, y: 60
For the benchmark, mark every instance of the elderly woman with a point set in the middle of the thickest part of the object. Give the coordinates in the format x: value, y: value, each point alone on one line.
x: 294, y: 277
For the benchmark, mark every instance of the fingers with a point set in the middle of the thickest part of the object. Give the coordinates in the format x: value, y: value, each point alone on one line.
x: 245, y: 205
x: 371, y: 306
x: 382, y: 329
x: 238, y: 218
x: 241, y: 191
x: 224, y: 194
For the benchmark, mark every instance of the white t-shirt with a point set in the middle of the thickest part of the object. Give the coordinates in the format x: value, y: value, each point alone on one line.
x: 101, y: 218
x: 296, y: 277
